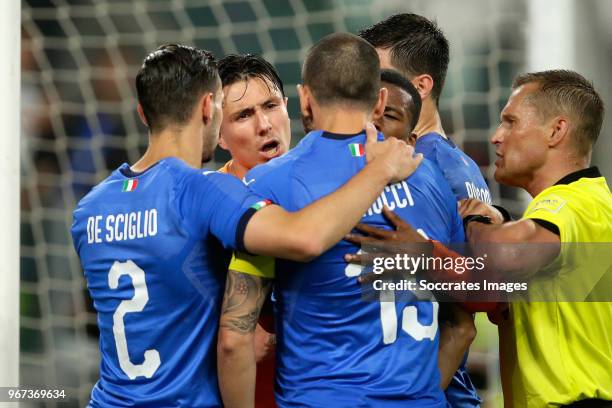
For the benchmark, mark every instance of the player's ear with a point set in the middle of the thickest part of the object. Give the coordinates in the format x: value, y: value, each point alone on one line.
x: 559, y: 130
x: 379, y: 108
x: 305, y: 100
x: 141, y: 115
x: 424, y: 84
x: 412, y: 139
x: 206, y: 104
x: 286, y: 100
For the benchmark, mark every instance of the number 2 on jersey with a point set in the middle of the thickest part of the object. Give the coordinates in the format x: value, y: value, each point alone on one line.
x: 136, y: 304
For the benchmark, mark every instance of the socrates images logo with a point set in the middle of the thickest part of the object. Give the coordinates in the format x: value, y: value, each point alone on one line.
x: 130, y: 185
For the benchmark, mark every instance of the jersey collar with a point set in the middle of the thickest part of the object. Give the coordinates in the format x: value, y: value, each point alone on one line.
x: 591, y: 172
x: 126, y: 171
x: 340, y: 136
x: 436, y: 135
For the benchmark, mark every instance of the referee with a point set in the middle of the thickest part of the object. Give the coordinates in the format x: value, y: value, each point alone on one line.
x: 553, y: 353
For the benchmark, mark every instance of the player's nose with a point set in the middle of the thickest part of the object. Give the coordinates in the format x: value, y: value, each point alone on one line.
x: 497, y: 136
x: 263, y: 123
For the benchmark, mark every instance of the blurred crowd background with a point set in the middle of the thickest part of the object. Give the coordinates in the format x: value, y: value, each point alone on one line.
x: 79, y: 59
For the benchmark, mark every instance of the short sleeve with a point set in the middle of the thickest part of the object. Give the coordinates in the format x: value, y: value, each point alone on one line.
x: 219, y: 204
x: 256, y: 265
x: 550, y: 207
x: 273, y: 181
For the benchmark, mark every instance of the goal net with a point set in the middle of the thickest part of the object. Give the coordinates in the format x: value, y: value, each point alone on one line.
x: 79, y: 122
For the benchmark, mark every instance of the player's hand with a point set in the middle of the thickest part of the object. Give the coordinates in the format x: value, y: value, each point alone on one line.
x: 397, y: 157
x: 472, y: 206
x: 386, y: 241
x: 403, y: 233
x: 264, y: 343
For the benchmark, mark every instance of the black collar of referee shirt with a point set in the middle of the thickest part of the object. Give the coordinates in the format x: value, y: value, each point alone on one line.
x: 591, y: 172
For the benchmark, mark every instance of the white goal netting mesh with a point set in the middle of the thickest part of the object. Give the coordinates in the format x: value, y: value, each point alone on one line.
x: 79, y: 122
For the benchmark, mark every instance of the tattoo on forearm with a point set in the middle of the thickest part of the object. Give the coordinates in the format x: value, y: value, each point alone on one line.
x: 244, y: 296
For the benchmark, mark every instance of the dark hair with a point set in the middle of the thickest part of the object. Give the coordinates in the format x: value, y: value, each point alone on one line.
x: 395, y: 78
x: 170, y: 82
x: 567, y: 92
x: 417, y: 46
x: 235, y: 68
x: 342, y: 68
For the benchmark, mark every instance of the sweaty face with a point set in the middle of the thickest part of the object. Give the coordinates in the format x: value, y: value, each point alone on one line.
x: 255, y: 126
x: 397, y: 118
x: 520, y: 140
x: 211, y: 136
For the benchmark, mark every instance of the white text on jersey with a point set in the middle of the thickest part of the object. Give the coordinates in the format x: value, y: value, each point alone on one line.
x: 481, y: 194
x: 394, y: 196
x: 122, y: 227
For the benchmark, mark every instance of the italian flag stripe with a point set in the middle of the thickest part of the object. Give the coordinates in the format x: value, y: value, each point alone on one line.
x: 261, y: 204
x: 356, y: 149
x: 130, y: 185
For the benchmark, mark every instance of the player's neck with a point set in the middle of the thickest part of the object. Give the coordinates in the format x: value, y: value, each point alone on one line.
x: 429, y: 120
x: 340, y: 120
x: 171, y: 142
x: 237, y: 170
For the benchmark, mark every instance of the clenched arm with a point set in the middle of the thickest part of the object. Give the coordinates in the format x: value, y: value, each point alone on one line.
x: 236, y: 362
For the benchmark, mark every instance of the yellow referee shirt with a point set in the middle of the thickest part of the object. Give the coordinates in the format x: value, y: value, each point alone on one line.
x: 555, y: 353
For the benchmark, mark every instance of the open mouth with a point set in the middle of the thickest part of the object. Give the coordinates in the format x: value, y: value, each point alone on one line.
x: 270, y: 149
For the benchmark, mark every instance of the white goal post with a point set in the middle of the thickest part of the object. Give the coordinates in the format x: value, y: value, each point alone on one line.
x: 10, y: 38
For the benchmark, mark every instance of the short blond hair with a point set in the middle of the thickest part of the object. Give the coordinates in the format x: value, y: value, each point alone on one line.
x: 567, y: 92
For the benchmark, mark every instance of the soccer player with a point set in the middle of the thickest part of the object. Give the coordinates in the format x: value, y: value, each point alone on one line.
x: 417, y: 48
x: 552, y: 353
x: 400, y: 117
x: 255, y: 127
x: 333, y: 347
x: 151, y: 237
x: 402, y: 108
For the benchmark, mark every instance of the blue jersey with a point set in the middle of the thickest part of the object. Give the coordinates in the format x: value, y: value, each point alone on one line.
x: 461, y: 172
x: 152, y: 246
x: 333, y: 346
x: 465, y: 179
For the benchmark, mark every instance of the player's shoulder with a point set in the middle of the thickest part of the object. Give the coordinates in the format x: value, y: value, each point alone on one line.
x: 99, y: 188
x: 182, y: 176
x: 439, y: 144
x: 436, y: 140
x: 428, y: 170
x: 281, y: 167
x: 429, y: 181
x: 428, y: 143
x: 166, y: 172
